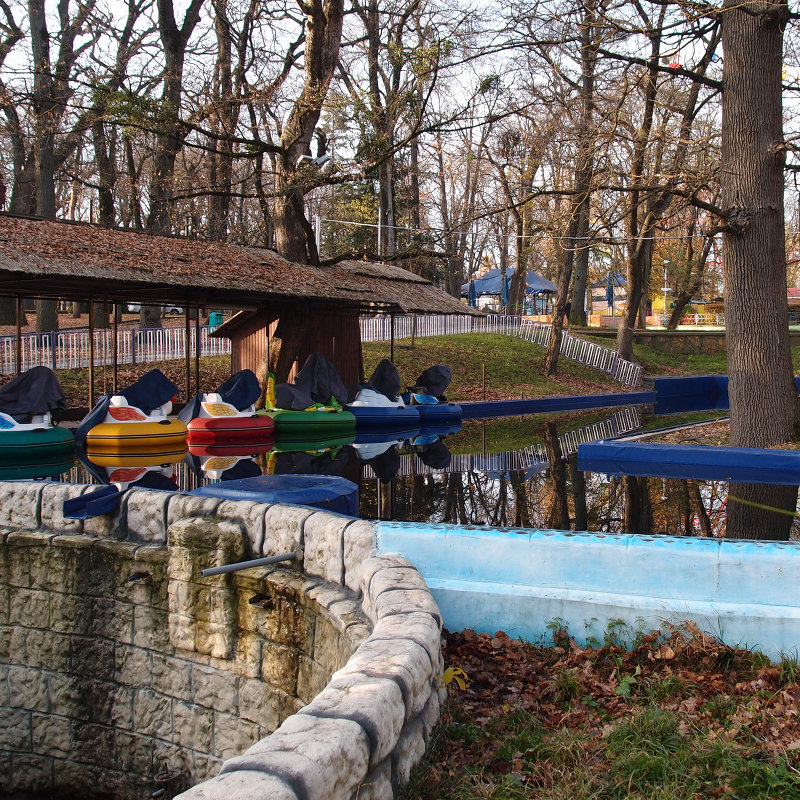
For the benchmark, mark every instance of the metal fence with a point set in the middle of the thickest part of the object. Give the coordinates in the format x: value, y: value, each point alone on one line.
x: 70, y: 349
x: 590, y: 354
x: 533, y: 458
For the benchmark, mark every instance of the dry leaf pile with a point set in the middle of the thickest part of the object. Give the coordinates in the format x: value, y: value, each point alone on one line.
x: 734, y: 698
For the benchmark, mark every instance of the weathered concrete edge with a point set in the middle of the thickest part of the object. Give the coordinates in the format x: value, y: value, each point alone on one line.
x: 362, y: 735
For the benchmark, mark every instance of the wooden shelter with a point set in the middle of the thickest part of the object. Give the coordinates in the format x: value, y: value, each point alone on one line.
x: 290, y: 310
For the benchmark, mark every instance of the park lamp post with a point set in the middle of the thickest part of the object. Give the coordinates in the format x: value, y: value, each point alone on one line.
x: 667, y: 262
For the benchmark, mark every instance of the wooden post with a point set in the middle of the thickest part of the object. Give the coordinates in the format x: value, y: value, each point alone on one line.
x: 391, y: 328
x: 18, y: 343
x: 196, y: 350
x: 91, y: 352
x: 114, y: 356
x: 187, y: 356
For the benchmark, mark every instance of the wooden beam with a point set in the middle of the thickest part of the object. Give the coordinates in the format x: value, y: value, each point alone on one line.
x: 91, y: 352
x: 18, y: 342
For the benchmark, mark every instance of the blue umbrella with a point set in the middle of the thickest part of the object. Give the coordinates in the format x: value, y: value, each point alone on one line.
x: 473, y: 298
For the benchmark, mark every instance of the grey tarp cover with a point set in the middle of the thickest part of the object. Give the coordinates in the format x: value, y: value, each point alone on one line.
x: 316, y: 382
x: 36, y: 391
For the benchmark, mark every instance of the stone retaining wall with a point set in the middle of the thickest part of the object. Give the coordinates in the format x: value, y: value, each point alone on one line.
x: 122, y: 670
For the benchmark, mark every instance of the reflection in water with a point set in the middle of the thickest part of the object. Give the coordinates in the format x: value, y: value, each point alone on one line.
x: 473, y: 477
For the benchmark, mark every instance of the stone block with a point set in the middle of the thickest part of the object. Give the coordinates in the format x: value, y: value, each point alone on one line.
x: 30, y: 608
x: 250, y: 516
x: 122, y: 708
x: 377, y: 563
x: 205, y: 766
x: 184, y: 506
x: 31, y: 773
x: 376, y: 704
x: 192, y: 726
x: 172, y: 676
x: 323, y: 545
x: 215, y: 689
x: 354, y: 636
x: 359, y: 541
x: 15, y: 732
x: 134, y: 753
x: 232, y: 735
x: 241, y: 785
x: 52, y: 507
x: 393, y: 578
x: 5, y: 771
x: 65, y: 696
x: 143, y: 515
x: 378, y: 783
x: 27, y: 689
x: 284, y: 529
x: 419, y: 627
x: 92, y: 657
x: 182, y: 632
x: 408, y: 753
x: 4, y: 694
x: 167, y: 756
x: 311, y: 679
x: 430, y: 715
x: 279, y: 666
x: 93, y: 744
x: 326, y: 757
x: 258, y: 703
x: 19, y: 504
x: 5, y: 643
x: 105, y: 525
x: 400, y: 660
x: 404, y: 601
x: 150, y: 629
x: 134, y: 667
x: 248, y: 654
x: 152, y: 714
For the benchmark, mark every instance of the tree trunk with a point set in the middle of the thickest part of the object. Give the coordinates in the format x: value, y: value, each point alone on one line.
x: 174, y: 42
x: 294, y: 235
x: 761, y: 387
x: 8, y: 311
x: 761, y: 384
x: 46, y: 315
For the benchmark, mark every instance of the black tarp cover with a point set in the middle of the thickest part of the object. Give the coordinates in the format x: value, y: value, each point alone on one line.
x: 152, y: 390
x: 34, y: 392
x: 385, y: 380
x: 316, y: 382
x: 435, y: 380
x: 241, y: 390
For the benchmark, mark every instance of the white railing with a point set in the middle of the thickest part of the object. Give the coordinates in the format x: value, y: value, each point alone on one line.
x: 379, y: 328
x: 709, y: 320
x: 70, y: 349
x: 590, y: 354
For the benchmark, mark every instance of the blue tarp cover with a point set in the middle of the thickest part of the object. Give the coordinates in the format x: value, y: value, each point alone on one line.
x: 329, y: 492
x: 491, y: 283
x: 743, y: 464
x: 544, y: 405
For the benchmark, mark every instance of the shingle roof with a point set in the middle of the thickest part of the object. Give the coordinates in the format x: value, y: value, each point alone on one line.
x: 80, y: 261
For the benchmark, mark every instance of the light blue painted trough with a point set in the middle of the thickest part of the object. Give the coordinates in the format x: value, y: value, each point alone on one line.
x: 743, y: 592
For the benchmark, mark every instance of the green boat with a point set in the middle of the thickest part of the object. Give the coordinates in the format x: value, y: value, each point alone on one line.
x: 310, y: 425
